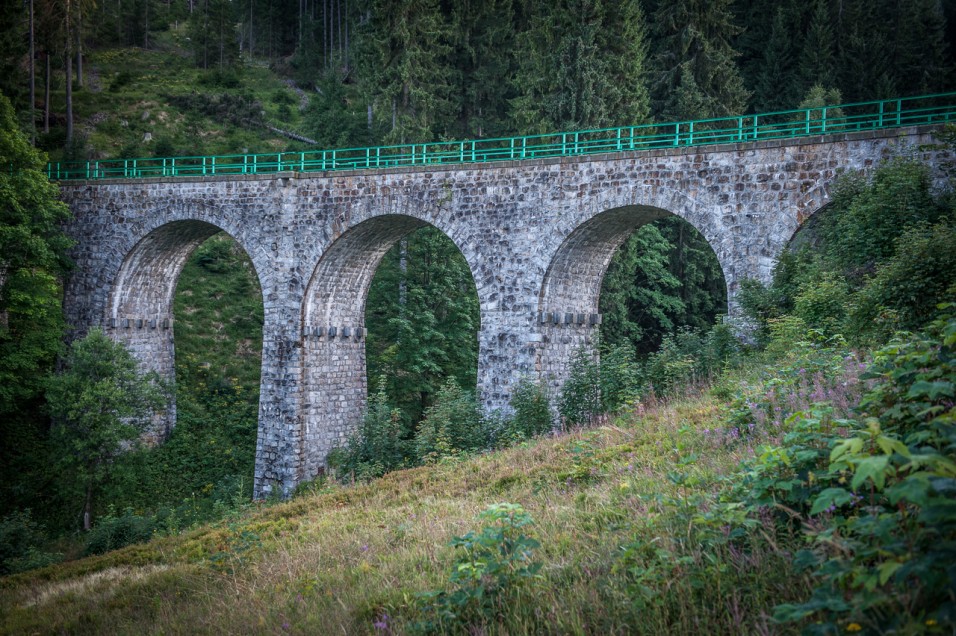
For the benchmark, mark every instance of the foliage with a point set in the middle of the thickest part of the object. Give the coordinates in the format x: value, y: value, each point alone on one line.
x: 20, y: 541
x: 112, y: 532
x: 101, y: 403
x: 378, y: 446
x: 422, y: 316
x: 532, y: 412
x: 907, y: 287
x: 580, y: 400
x: 884, y: 534
x: 878, y: 259
x: 493, y: 567
x: 451, y: 426
x: 695, y: 68
x: 581, y: 65
x: 32, y: 256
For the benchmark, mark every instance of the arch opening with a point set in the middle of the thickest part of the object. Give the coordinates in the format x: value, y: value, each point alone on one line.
x: 140, y: 313
x: 372, y: 306
x: 629, y: 276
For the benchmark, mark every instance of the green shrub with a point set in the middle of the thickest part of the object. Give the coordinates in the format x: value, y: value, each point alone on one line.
x: 377, y: 447
x: 907, y: 288
x: 451, y: 426
x: 532, y: 412
x: 580, y: 400
x: 872, y: 491
x: 20, y: 537
x: 492, y: 567
x: 861, y: 224
x: 821, y: 303
x: 112, y: 532
x: 620, y: 377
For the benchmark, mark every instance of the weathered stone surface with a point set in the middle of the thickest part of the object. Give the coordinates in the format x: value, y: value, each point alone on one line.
x: 537, y: 236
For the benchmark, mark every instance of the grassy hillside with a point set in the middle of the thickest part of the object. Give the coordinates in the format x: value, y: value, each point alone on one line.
x: 343, y: 559
x: 129, y: 92
x: 813, y: 492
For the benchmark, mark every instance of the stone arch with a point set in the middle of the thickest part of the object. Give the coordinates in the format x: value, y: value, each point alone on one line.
x: 568, y: 313
x: 139, y: 308
x: 334, y: 381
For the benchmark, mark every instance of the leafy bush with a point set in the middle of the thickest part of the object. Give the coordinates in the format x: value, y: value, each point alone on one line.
x: 907, y: 288
x: 112, y: 532
x: 377, y: 447
x: 122, y: 79
x: 451, y: 426
x: 580, y: 400
x: 873, y: 491
x: 532, y: 412
x: 493, y: 566
x: 861, y: 224
x: 20, y: 537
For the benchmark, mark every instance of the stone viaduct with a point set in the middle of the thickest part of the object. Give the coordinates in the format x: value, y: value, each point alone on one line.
x: 537, y: 235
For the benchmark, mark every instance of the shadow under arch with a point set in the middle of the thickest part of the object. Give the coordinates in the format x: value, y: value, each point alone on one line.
x: 568, y: 302
x: 334, y: 379
x: 139, y: 311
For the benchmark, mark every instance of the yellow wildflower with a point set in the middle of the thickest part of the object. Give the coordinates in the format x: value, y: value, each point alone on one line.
x: 854, y: 627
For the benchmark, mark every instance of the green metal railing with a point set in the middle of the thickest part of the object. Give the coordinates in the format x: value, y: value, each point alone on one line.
x: 790, y: 124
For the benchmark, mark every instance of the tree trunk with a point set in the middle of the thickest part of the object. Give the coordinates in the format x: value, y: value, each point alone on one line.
x: 88, y: 509
x: 69, y: 76
x: 79, y: 45
x: 33, y: 82
x: 252, y: 50
x: 46, y: 97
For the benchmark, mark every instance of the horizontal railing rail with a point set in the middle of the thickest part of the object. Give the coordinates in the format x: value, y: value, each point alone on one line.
x: 789, y: 124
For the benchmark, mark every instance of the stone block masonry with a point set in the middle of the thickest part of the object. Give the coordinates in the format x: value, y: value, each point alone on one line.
x: 537, y: 236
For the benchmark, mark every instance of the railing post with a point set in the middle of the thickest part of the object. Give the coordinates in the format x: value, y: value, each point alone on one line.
x: 740, y: 129
x: 823, y: 121
x: 690, y: 134
x: 756, y: 128
x: 676, y: 135
x: 173, y: 160
x: 96, y: 170
x: 302, y: 160
x: 899, y: 111
x: 461, y: 152
x: 881, y: 114
x: 213, y: 164
x: 87, y: 170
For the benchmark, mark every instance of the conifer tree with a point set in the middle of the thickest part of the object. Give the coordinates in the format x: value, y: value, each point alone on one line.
x: 695, y: 70
x: 483, y: 51
x: 581, y: 65
x: 404, y: 57
x: 774, y: 89
x: 817, y: 57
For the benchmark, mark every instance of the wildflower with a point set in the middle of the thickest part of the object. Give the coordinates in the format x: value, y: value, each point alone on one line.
x: 931, y: 622
x: 854, y: 627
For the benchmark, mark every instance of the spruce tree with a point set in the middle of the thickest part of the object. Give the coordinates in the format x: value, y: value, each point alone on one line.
x: 483, y: 52
x: 581, y: 65
x: 695, y: 70
x: 774, y: 86
x: 404, y: 57
x: 818, y: 57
